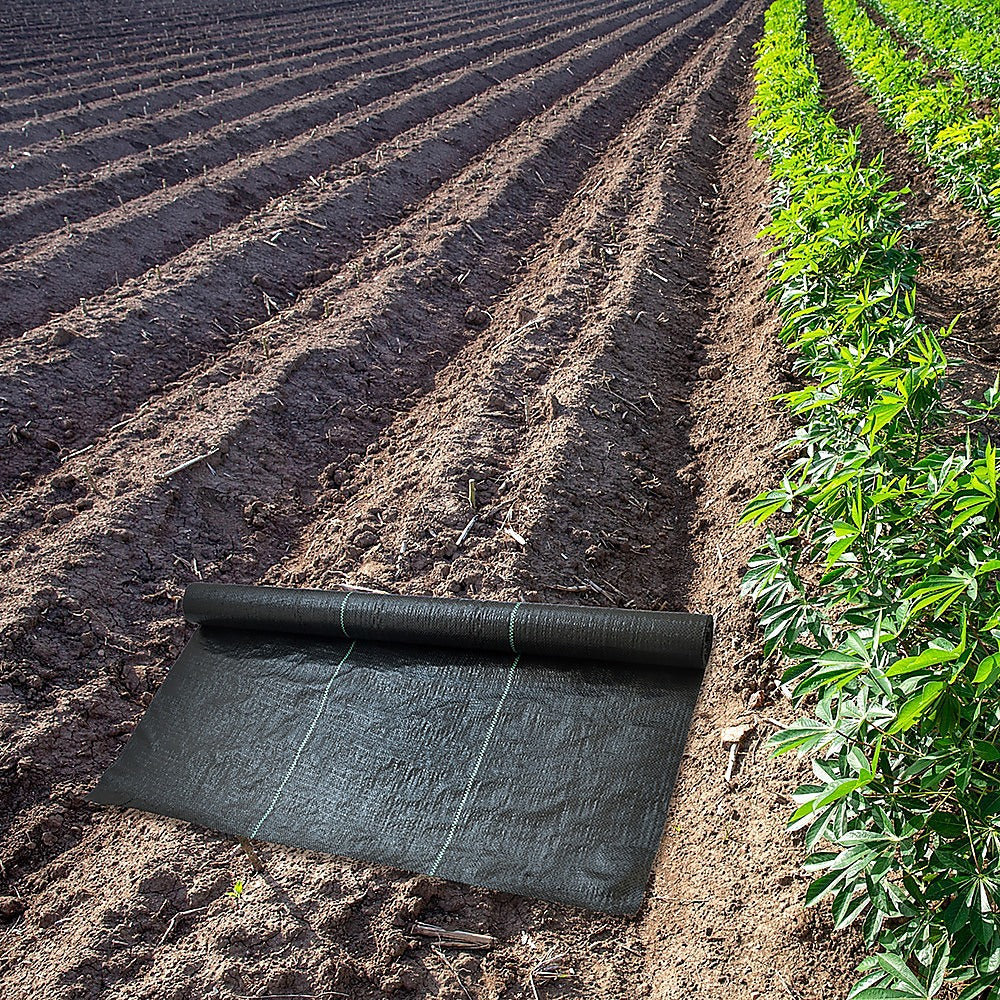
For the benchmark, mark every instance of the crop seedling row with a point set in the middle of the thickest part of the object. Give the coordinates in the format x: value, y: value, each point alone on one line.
x: 880, y: 588
x: 939, y: 118
x: 966, y: 49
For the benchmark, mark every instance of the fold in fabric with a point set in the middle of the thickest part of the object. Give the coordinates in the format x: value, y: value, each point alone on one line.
x: 526, y: 748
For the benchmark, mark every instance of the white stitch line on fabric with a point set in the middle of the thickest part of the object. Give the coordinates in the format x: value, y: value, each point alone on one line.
x: 475, y: 769
x: 305, y: 741
x: 343, y: 627
x: 510, y: 630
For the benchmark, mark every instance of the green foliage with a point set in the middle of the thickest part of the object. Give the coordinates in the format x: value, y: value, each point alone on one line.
x: 957, y: 40
x: 939, y: 117
x: 882, y: 590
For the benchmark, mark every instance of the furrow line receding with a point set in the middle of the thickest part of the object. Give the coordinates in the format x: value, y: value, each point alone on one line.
x: 77, y: 139
x: 122, y: 363
x: 579, y: 364
x: 207, y: 158
x: 143, y: 500
x: 56, y: 158
x: 247, y: 59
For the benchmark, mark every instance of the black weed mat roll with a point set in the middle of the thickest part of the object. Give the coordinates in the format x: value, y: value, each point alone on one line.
x: 528, y: 748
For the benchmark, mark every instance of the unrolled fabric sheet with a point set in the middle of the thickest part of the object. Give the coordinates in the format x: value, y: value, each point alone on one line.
x: 528, y: 748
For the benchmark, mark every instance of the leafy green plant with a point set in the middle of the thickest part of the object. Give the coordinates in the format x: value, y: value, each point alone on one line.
x: 963, y: 44
x: 939, y: 117
x: 881, y: 589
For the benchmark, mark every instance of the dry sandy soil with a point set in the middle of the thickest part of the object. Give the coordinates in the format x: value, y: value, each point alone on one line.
x: 275, y: 283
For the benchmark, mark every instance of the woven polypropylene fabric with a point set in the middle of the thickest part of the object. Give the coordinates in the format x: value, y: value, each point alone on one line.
x: 521, y: 747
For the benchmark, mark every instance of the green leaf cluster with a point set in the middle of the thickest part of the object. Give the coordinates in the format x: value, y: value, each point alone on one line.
x: 882, y: 588
x: 939, y: 116
x: 956, y: 40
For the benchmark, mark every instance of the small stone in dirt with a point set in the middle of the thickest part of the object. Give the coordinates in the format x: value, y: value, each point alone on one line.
x: 405, y: 979
x: 11, y: 906
x: 735, y: 734
x: 315, y: 307
x: 47, y: 918
x: 64, y: 481
x: 469, y: 964
x: 365, y: 539
x: 61, y: 512
x: 319, y: 276
x: 474, y: 316
x: 260, y: 281
x: 755, y: 701
x: 60, y: 337
x: 689, y: 473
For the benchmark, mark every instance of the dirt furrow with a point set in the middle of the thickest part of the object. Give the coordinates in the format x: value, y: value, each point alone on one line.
x: 553, y: 391
x: 302, y: 389
x: 164, y: 61
x: 186, y: 315
x: 62, y: 155
x: 94, y: 131
x: 244, y: 54
x: 216, y: 157
x: 111, y: 50
x: 725, y: 915
x: 50, y: 165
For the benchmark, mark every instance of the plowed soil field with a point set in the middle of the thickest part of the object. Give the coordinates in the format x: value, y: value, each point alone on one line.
x: 277, y: 283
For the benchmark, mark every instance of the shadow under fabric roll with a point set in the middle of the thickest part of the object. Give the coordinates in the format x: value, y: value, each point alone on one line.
x: 527, y: 748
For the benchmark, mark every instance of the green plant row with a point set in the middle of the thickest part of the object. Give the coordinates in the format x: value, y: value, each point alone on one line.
x: 939, y: 117
x: 965, y: 49
x: 881, y: 589
x: 983, y: 15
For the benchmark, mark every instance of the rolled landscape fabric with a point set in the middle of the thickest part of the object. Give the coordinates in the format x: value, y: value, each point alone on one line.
x: 527, y: 748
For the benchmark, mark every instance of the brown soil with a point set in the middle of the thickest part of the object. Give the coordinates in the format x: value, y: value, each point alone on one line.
x: 525, y: 255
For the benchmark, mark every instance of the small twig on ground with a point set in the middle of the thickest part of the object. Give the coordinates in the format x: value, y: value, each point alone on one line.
x: 465, y: 533
x: 734, y: 749
x: 175, y: 918
x: 733, y: 737
x: 187, y: 464
x: 545, y: 967
x: 596, y: 589
x: 784, y: 982
x: 79, y: 451
x: 444, y: 958
x: 251, y: 854
x: 363, y: 590
x: 464, y: 939
x: 513, y: 534
x: 531, y: 983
